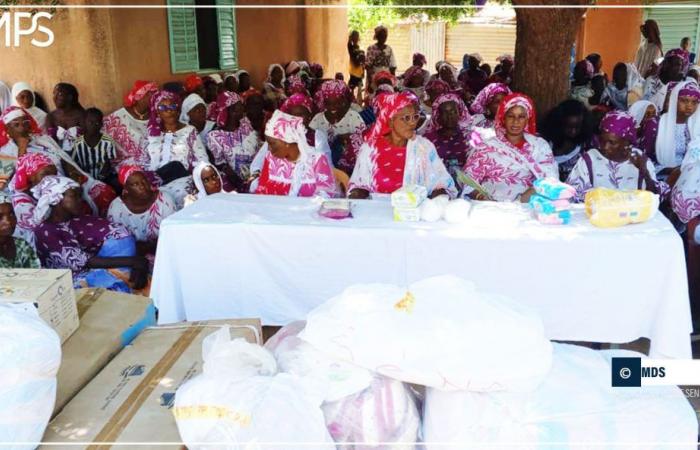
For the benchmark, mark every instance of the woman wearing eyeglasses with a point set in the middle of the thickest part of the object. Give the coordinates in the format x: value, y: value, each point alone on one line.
x: 507, y: 164
x: 171, y: 149
x: 393, y: 155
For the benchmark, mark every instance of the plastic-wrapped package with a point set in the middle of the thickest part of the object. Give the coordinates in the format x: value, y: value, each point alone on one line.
x: 385, y: 413
x: 575, y: 404
x: 30, y: 354
x: 359, y: 407
x: 607, y: 208
x: 501, y: 344
x: 457, y: 211
x: 553, y: 189
x: 239, y: 402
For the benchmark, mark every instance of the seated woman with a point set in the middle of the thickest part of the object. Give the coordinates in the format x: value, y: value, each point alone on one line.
x: 127, y: 126
x: 416, y: 77
x: 685, y: 197
x: 295, y: 85
x: 273, y: 89
x: 642, y: 111
x: 23, y: 96
x: 393, y: 155
x: 485, y: 105
x: 581, y: 84
x: 615, y: 164
x: 674, y: 134
x: 569, y: 129
x: 19, y: 137
x: 63, y: 123
x: 337, y: 123
x: 434, y: 89
x: 235, y: 143
x: 449, y: 131
x: 292, y: 167
x: 255, y: 110
x: 140, y: 209
x: 194, y: 112
x: 507, y: 164
x: 207, y: 181
x: 171, y: 148
x: 15, y: 252
x: 97, y: 251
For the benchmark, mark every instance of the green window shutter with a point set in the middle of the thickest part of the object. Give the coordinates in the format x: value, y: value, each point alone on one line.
x: 228, y: 47
x: 182, y: 28
x: 676, y: 23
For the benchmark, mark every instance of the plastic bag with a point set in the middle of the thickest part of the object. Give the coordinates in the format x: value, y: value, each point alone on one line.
x: 608, y: 208
x: 441, y: 332
x: 240, y: 403
x: 30, y: 354
x: 359, y: 407
x: 575, y: 404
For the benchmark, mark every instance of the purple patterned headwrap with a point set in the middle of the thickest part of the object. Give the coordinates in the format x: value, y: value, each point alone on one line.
x: 154, y: 122
x: 486, y: 95
x: 464, y: 117
x: 690, y: 90
x: 621, y: 124
x: 297, y: 100
x: 295, y: 85
x: 682, y: 54
x: 223, y: 101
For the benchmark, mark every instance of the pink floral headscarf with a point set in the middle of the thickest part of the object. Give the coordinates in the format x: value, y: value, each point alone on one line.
x: 486, y: 95
x: 154, y: 122
x: 291, y: 129
x: 138, y: 91
x: 223, y: 101
x: 11, y: 113
x: 297, y: 100
x: 295, y: 85
x: 49, y: 192
x: 332, y: 89
x: 621, y: 124
x: 464, y: 116
x: 388, y: 105
x: 511, y: 101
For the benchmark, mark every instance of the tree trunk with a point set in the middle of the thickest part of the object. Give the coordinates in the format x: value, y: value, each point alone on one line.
x: 544, y: 38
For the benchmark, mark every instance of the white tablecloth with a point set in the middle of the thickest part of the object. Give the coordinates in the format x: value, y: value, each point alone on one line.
x: 233, y: 256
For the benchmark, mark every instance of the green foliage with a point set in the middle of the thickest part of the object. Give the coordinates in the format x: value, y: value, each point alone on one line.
x: 362, y: 16
x: 29, y: 4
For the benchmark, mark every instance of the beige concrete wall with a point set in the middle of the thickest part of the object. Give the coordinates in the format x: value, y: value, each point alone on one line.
x: 103, y: 51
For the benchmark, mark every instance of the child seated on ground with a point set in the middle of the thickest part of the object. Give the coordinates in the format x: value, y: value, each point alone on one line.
x: 94, y: 151
x: 14, y: 252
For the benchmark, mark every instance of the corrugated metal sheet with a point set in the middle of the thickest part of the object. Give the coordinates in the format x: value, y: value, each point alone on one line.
x: 399, y: 40
x: 429, y: 39
x: 489, y: 40
x: 677, y: 23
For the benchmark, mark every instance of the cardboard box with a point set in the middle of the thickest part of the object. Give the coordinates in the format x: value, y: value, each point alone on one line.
x: 51, y: 290
x: 109, y: 321
x: 130, y: 400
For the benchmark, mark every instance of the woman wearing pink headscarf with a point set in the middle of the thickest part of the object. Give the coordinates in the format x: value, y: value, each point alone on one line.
x: 293, y: 167
x: 127, y: 126
x: 449, y: 130
x: 393, y: 155
x: 485, y: 105
x: 507, y: 164
x: 234, y: 144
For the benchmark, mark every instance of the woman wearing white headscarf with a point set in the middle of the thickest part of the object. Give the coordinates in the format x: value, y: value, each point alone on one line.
x: 646, y: 121
x: 207, y: 181
x: 194, y: 112
x: 675, y: 127
x: 23, y: 96
x: 273, y: 89
x: 293, y: 167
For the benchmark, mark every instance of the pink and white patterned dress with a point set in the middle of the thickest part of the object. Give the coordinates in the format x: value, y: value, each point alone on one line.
x: 506, y: 171
x: 374, y: 171
x: 127, y: 133
x: 235, y: 148
x: 146, y: 225
x: 685, y: 197
x: 316, y: 179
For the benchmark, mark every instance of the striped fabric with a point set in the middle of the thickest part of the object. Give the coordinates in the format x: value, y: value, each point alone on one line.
x: 93, y: 159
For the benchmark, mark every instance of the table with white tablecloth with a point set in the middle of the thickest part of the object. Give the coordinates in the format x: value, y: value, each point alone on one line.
x: 230, y: 256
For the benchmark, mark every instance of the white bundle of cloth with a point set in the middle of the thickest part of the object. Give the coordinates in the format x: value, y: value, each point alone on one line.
x: 30, y: 354
x: 439, y: 332
x: 574, y: 405
x: 240, y: 402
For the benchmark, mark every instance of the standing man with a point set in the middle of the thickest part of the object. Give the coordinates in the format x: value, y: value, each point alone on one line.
x: 650, y: 49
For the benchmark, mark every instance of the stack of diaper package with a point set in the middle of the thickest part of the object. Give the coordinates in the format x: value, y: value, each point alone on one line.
x: 407, y: 201
x: 552, y: 201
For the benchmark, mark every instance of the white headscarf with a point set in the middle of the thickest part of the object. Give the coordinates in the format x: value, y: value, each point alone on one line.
x: 239, y: 73
x: 634, y: 79
x: 5, y: 96
x: 269, y: 73
x: 49, y: 192
x: 36, y: 112
x: 190, y: 102
x: 216, y: 77
x: 666, y: 136
x: 291, y: 129
x: 639, y: 109
x: 197, y: 176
